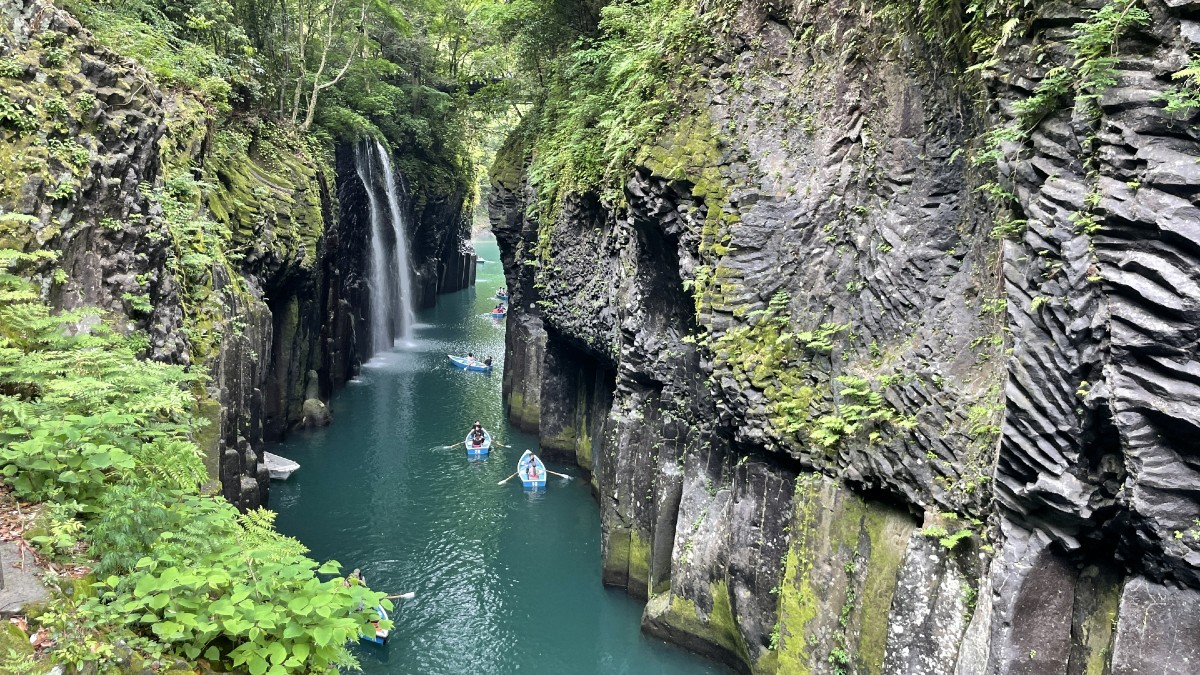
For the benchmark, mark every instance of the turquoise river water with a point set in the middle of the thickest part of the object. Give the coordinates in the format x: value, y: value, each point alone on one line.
x: 505, y: 581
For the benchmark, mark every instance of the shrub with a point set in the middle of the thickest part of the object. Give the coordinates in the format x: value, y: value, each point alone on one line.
x: 105, y: 440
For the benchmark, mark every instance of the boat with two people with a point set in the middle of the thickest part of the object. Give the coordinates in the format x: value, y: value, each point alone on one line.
x: 531, y: 471
x: 469, y: 362
x: 478, y: 442
x: 499, y: 311
x: 502, y: 294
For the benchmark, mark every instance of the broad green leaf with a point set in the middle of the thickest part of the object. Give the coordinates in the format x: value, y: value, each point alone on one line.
x: 322, y: 635
x: 256, y: 664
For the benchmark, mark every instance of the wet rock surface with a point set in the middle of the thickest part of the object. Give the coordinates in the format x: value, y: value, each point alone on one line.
x: 832, y: 423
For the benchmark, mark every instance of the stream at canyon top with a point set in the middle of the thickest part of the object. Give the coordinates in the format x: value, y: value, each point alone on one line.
x: 505, y: 581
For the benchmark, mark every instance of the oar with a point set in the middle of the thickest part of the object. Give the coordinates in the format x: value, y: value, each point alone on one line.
x: 559, y: 474
x: 507, y: 479
x: 403, y: 596
x: 454, y: 444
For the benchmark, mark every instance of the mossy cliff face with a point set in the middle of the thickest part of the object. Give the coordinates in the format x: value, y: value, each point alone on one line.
x: 79, y: 155
x: 830, y: 425
x: 222, y: 242
x: 213, y: 242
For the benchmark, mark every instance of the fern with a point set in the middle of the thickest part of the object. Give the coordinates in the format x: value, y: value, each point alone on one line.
x: 1095, y: 65
x: 260, y: 541
x: 610, y: 97
x: 1185, y: 98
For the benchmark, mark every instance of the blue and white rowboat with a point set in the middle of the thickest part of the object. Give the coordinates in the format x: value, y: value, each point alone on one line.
x: 499, y: 315
x: 502, y: 295
x: 461, y: 362
x: 381, y: 634
x: 531, y: 470
x: 480, y: 450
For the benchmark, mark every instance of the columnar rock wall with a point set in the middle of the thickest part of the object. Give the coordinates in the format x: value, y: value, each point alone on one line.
x: 832, y: 423
x: 232, y: 248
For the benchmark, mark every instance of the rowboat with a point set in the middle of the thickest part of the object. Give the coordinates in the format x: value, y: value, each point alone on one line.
x: 480, y: 450
x: 279, y: 467
x: 499, y: 315
x: 501, y: 295
x: 381, y: 634
x: 461, y: 362
x: 531, y: 470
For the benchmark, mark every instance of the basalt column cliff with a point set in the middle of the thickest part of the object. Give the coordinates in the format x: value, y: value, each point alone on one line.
x: 234, y: 245
x: 882, y: 354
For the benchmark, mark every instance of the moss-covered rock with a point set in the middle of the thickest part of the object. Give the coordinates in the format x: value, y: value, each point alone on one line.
x: 265, y: 192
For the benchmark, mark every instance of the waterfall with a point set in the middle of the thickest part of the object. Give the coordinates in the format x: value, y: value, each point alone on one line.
x: 390, y: 279
x: 379, y: 284
x: 403, y: 266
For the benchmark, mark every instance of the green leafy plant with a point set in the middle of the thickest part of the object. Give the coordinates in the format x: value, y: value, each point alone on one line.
x: 105, y: 440
x: 11, y: 68
x: 946, y: 539
x: 1009, y: 228
x: 1084, y: 79
x: 1095, y: 65
x: 1184, y: 98
x: 993, y: 305
x: 1085, y: 223
x: 862, y: 405
x: 65, y: 189
x: 278, y: 613
x: 61, y: 529
x: 85, y: 102
x: 983, y: 422
x: 52, y: 57
x: 14, y: 116
x: 139, y: 302
x: 55, y: 106
x: 69, y: 152
x: 15, y: 662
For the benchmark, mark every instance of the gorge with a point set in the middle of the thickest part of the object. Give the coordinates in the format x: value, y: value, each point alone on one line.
x: 872, y: 326
x: 879, y: 353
